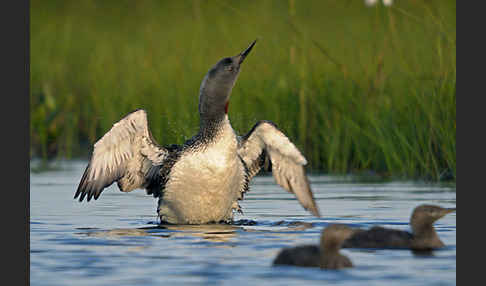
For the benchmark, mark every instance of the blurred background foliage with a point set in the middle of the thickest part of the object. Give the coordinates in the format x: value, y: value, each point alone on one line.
x: 358, y: 88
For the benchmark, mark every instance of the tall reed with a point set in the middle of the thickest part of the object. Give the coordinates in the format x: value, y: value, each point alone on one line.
x: 357, y: 88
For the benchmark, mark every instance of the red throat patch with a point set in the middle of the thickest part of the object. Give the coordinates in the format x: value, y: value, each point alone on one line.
x: 226, y: 107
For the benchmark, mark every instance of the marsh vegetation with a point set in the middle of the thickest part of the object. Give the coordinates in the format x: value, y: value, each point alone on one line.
x: 357, y: 88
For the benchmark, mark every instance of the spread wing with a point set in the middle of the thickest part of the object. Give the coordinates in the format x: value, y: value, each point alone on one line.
x: 124, y: 154
x: 266, y: 141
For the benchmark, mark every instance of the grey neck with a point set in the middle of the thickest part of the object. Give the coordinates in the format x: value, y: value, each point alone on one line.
x: 213, y: 98
x: 212, y: 103
x: 210, y: 127
x: 211, y: 117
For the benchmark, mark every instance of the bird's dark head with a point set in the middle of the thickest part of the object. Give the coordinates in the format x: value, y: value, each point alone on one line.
x: 426, y: 215
x: 332, y: 238
x: 217, y: 85
x: 334, y: 235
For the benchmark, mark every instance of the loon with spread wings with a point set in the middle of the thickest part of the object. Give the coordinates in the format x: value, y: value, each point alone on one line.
x: 202, y: 180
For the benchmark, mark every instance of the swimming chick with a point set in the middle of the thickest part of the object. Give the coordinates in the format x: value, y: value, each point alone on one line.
x: 325, y: 256
x: 423, y: 236
x: 202, y: 180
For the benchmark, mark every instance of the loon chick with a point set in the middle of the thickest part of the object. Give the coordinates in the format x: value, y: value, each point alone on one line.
x: 423, y: 236
x: 202, y: 180
x: 325, y: 256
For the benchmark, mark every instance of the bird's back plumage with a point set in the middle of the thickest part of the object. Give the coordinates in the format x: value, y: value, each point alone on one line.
x: 379, y: 237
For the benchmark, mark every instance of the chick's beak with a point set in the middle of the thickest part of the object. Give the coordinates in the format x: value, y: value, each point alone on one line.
x: 446, y: 211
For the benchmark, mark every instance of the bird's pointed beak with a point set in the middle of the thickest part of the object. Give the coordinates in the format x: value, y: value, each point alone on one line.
x: 245, y: 53
x: 446, y: 211
x: 450, y: 210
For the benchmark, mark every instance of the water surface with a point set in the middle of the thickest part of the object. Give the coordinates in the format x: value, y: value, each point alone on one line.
x: 117, y: 239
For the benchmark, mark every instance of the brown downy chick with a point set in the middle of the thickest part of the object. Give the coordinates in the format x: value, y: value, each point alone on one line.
x: 423, y: 236
x: 325, y: 256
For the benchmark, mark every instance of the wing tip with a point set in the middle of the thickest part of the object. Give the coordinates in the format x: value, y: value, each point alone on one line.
x: 313, y: 208
x: 137, y: 111
x: 83, y: 194
x: 315, y: 211
x: 84, y: 189
x: 80, y: 192
x: 89, y: 191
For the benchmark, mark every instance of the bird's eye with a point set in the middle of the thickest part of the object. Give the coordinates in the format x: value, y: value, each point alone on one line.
x: 229, y: 68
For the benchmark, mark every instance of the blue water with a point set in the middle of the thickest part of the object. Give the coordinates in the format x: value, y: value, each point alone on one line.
x: 116, y: 240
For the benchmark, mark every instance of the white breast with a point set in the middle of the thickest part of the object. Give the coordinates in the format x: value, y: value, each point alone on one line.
x: 203, y: 185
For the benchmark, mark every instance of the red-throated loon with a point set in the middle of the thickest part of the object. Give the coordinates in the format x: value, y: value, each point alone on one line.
x: 423, y: 236
x: 325, y: 256
x: 202, y: 180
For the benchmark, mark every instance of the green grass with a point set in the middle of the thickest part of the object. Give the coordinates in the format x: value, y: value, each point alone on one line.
x: 356, y: 88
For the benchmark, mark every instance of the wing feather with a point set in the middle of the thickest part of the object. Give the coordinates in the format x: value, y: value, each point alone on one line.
x: 121, y: 155
x: 265, y: 139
